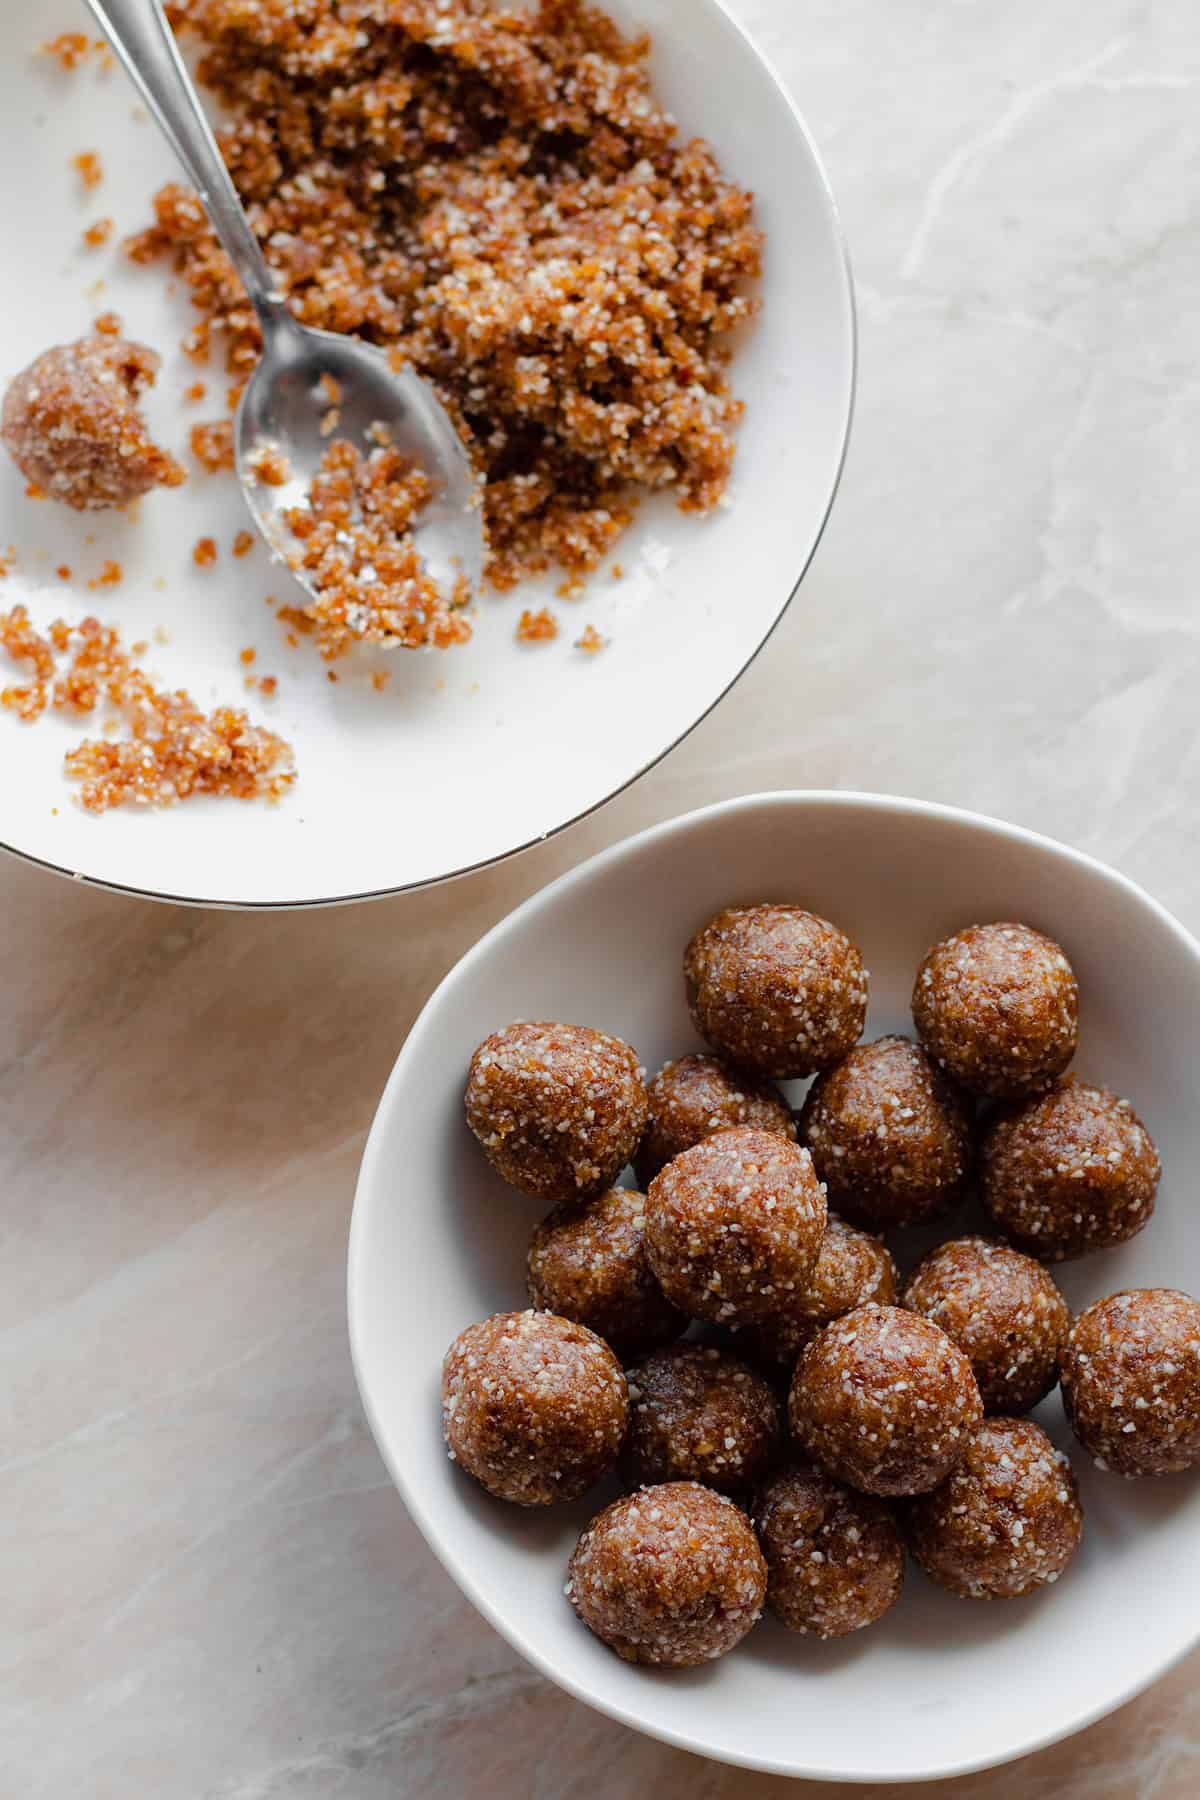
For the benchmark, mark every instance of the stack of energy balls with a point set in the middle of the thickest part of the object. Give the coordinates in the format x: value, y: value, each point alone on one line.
x: 820, y: 1419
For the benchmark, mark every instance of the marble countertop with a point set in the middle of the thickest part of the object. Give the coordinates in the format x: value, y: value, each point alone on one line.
x: 210, y: 1587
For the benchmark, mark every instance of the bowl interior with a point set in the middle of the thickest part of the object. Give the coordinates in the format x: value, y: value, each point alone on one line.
x: 437, y: 1241
x: 472, y: 753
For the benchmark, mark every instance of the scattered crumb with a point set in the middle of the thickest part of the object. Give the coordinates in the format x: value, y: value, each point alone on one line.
x: 98, y: 234
x: 331, y: 674
x: 268, y: 465
x: 234, y: 394
x: 108, y: 324
x: 537, y: 627
x: 155, y: 746
x: 331, y: 389
x: 331, y: 420
x: 204, y: 552
x: 617, y: 571
x: 212, y: 445
x: 196, y: 392
x: 69, y: 49
x: 63, y: 571
x: 248, y: 654
x: 243, y: 543
x: 110, y: 575
x: 34, y: 491
x: 590, y: 642
x: 89, y: 168
x: 380, y: 679
x: 8, y: 560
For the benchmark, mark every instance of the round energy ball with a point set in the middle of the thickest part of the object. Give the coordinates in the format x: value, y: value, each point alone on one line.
x: 692, y: 1097
x: 588, y: 1262
x: 776, y: 989
x: 851, y: 1269
x: 671, y: 1575
x: 533, y: 1406
x: 1069, y: 1171
x: 835, y: 1558
x: 997, y: 1006
x: 1007, y: 1520
x: 733, y: 1225
x: 883, y: 1400
x: 890, y: 1136
x: 71, y: 424
x: 1002, y: 1309
x: 558, y: 1109
x: 1130, y: 1375
x: 698, y: 1414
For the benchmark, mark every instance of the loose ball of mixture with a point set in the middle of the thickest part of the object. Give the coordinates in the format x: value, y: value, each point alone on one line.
x: 1006, y: 1521
x: 1002, y: 1309
x: 558, y: 1109
x: 890, y: 1136
x: 884, y: 1400
x: 776, y: 989
x: 998, y: 1008
x: 835, y: 1558
x: 851, y: 1269
x: 697, y: 1414
x: 72, y: 426
x: 1130, y: 1375
x: 733, y: 1225
x: 533, y: 1406
x: 589, y: 1263
x: 1069, y: 1171
x: 694, y: 1096
x: 671, y: 1575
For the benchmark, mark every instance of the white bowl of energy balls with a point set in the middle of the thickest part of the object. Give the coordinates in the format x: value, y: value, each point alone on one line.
x: 771, y: 1283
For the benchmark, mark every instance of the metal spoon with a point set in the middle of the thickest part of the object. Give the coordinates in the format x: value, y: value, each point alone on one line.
x: 286, y: 399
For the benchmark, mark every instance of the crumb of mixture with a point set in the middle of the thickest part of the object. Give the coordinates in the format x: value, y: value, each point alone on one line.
x: 195, y: 393
x: 243, y: 543
x: 617, y: 572
x: 248, y: 654
x: 73, y: 425
x: 204, y: 552
x: 89, y: 168
x: 111, y: 575
x: 590, y: 641
x: 69, y: 49
x: 380, y: 679
x: 98, y: 234
x: 156, y: 746
x: 107, y: 324
x: 496, y: 197
x: 356, y: 551
x: 537, y: 627
x: 212, y: 445
x: 269, y: 466
x: 63, y: 571
x: 7, y: 561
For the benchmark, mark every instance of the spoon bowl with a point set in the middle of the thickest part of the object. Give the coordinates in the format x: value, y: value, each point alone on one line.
x: 310, y: 386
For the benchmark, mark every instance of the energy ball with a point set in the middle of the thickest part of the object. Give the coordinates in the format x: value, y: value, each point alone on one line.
x: 589, y: 1263
x: 835, y: 1558
x: 851, y: 1269
x: 733, y: 1225
x: 1069, y: 1171
x: 694, y: 1096
x: 998, y: 1008
x: 1130, y: 1375
x: 883, y: 1400
x: 1002, y: 1309
x: 533, y: 1406
x: 776, y: 989
x: 890, y: 1136
x: 671, y: 1575
x: 1006, y: 1521
x: 558, y: 1109
x: 698, y: 1414
x: 72, y: 425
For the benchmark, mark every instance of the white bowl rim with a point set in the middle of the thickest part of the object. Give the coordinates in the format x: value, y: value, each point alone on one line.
x: 488, y: 862
x: 853, y: 800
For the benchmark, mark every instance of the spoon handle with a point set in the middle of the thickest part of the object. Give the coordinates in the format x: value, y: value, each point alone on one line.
x: 139, y: 33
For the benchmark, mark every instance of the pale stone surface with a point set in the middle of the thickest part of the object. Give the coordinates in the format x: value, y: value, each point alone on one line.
x: 210, y: 1588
